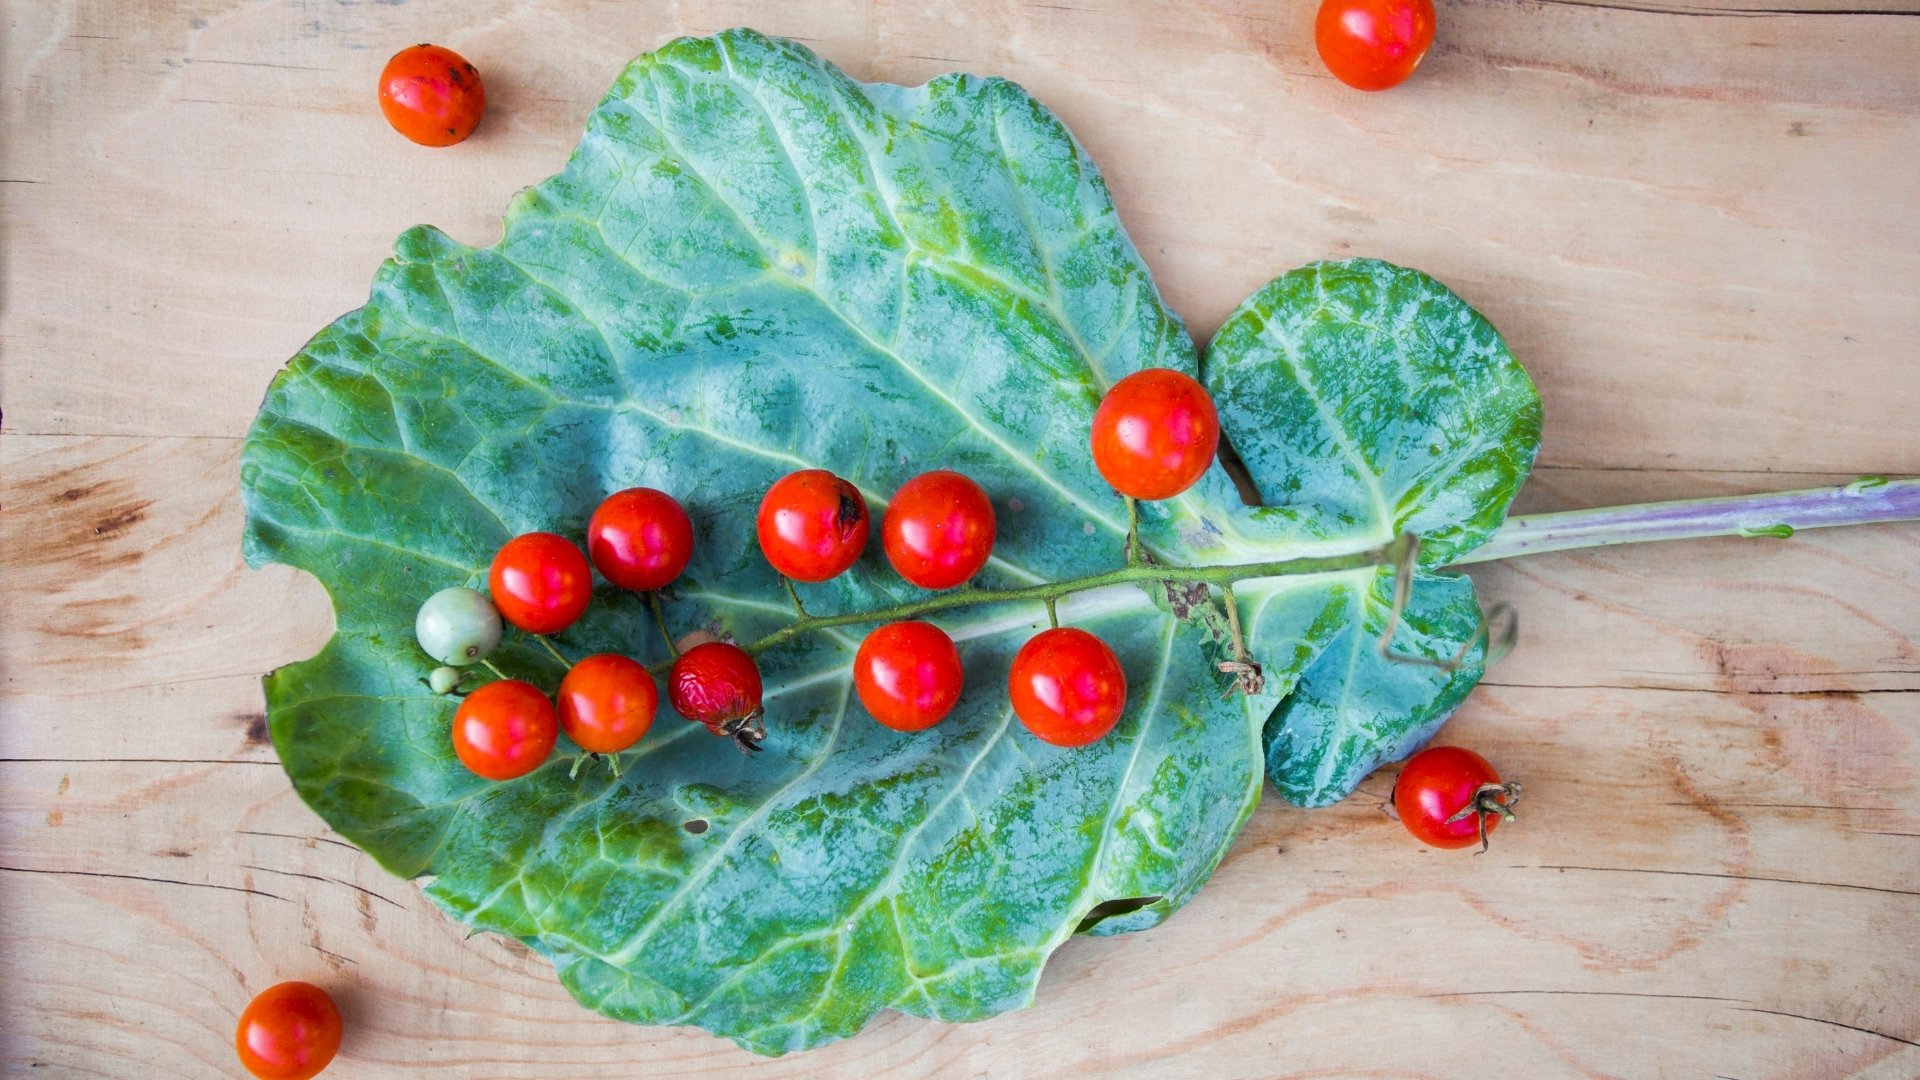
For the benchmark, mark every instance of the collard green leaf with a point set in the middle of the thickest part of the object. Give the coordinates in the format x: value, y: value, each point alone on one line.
x: 753, y: 264
x: 1367, y: 400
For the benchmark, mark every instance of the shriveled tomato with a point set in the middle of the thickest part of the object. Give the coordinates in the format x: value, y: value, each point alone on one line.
x: 640, y: 539
x: 540, y: 582
x: 432, y: 95
x: 907, y: 675
x: 1155, y: 433
x: 505, y: 729
x: 1450, y: 797
x: 938, y: 530
x: 1067, y: 687
x: 718, y: 684
x: 607, y: 702
x: 1373, y: 44
x: 812, y: 525
x: 289, y: 1031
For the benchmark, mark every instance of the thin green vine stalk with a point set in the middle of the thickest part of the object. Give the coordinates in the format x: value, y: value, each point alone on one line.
x: 660, y: 620
x: 551, y: 651
x: 793, y: 594
x: 1052, y: 591
x: 1774, y: 514
x: 1133, y: 530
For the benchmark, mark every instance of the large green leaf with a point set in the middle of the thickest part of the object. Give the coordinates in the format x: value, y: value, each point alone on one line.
x: 753, y: 264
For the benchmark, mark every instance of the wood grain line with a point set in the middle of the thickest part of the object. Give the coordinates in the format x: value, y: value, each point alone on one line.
x: 1737, y: 13
x: 1727, y: 877
x: 134, y: 761
x: 1729, y: 691
x: 1833, y: 1023
x: 1584, y: 993
x: 142, y: 877
x: 396, y: 905
x: 297, y: 836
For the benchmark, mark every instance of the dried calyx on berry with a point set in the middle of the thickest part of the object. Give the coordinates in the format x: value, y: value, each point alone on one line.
x: 747, y: 732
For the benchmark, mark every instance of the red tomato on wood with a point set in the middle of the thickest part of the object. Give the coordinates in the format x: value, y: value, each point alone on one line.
x: 432, y: 95
x: 1373, y: 44
x: 289, y: 1031
x: 1450, y: 797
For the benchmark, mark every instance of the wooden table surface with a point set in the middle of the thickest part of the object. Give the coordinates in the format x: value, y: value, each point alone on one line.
x: 1696, y: 221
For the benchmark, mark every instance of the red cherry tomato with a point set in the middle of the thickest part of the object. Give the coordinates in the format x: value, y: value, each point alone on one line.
x: 505, y: 729
x: 640, y: 539
x: 812, y: 525
x: 290, y: 1031
x: 1067, y: 687
x: 939, y: 529
x: 908, y: 675
x: 540, y: 582
x: 1373, y: 44
x: 718, y: 684
x: 1451, y: 798
x: 1155, y: 433
x: 432, y: 95
x: 607, y: 702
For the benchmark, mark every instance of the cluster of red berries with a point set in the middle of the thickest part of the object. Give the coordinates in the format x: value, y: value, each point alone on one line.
x: 1153, y: 436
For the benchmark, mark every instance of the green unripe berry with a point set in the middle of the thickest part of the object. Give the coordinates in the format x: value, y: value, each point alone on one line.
x: 458, y: 626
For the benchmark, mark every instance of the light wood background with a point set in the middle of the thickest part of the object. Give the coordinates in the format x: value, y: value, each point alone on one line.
x: 1697, y: 222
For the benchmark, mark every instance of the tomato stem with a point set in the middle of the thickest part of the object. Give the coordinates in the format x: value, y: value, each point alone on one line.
x: 497, y: 673
x: 1403, y: 571
x: 551, y: 651
x: 1871, y: 499
x: 1133, y: 530
x: 1233, y: 622
x: 1050, y: 592
x: 1053, y: 613
x: 794, y: 595
x: 660, y: 620
x: 1488, y: 799
x: 1247, y: 678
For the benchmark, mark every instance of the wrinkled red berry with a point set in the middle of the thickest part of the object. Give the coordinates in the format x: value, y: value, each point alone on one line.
x: 718, y: 684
